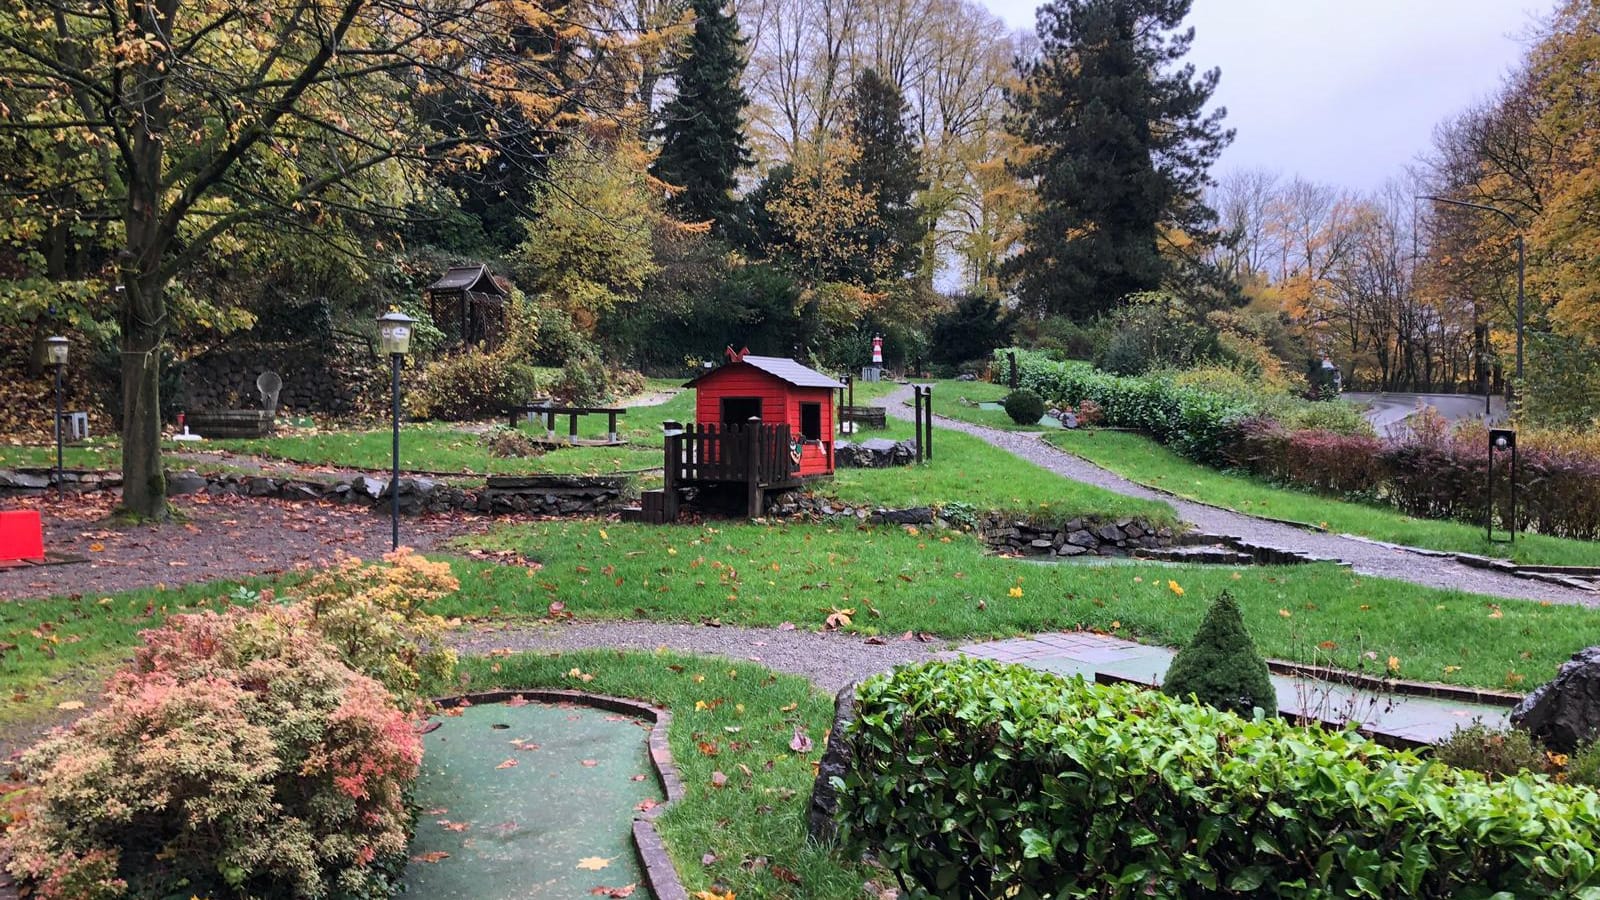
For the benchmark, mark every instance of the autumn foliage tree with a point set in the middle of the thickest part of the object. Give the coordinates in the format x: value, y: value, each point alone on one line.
x: 163, y: 128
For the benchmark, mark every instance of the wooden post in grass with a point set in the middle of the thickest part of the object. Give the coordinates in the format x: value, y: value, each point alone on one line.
x: 753, y: 472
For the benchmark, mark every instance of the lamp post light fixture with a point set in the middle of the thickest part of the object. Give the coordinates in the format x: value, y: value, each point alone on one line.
x: 394, y: 338
x: 1522, y: 268
x: 57, y: 349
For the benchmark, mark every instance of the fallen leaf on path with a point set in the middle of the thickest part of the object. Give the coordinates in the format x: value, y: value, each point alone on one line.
x: 510, y: 763
x: 593, y: 863
x: 624, y: 891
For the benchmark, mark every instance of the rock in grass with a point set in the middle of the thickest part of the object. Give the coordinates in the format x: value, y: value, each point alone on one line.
x: 1221, y: 666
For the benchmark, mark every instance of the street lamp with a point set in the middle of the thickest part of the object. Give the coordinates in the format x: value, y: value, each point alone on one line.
x: 56, y: 350
x: 1522, y: 264
x: 394, y: 338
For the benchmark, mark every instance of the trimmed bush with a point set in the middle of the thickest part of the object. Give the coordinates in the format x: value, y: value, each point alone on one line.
x: 1024, y: 407
x: 238, y: 756
x: 1221, y: 666
x: 976, y: 779
x: 470, y: 385
x: 1496, y: 753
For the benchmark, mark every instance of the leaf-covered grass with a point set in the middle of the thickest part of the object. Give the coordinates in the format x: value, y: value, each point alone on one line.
x: 896, y: 581
x: 1141, y: 459
x: 437, y: 448
x: 968, y: 470
x: 746, y: 715
x: 55, y: 649
x: 96, y: 454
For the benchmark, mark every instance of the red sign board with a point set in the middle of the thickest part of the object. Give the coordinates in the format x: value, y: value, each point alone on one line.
x: 21, y: 536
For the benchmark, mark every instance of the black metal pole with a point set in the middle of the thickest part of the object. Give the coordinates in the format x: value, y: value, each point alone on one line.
x: 1522, y: 264
x: 394, y: 478
x: 1513, y: 493
x: 928, y: 393
x: 61, y: 486
x: 1488, y: 497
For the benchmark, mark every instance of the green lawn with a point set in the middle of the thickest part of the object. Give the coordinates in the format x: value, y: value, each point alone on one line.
x: 959, y: 400
x: 896, y: 581
x: 97, y: 453
x: 733, y: 718
x: 968, y: 470
x: 1141, y: 459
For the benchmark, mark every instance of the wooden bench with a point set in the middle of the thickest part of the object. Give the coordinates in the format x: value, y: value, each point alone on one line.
x: 231, y: 423
x: 870, y: 416
x: 531, y: 411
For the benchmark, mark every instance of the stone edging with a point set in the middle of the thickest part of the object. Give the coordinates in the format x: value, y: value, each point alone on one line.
x: 660, y: 876
x: 1458, y: 693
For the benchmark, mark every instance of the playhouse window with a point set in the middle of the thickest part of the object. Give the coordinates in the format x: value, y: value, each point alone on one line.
x: 740, y: 410
x: 811, y: 421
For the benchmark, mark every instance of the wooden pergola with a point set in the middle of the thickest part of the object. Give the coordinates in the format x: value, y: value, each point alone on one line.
x: 468, y: 306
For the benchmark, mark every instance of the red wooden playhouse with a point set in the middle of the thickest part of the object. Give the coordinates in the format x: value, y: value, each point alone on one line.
x: 762, y: 423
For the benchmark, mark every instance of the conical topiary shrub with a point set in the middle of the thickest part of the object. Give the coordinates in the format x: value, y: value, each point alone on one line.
x: 1221, y: 666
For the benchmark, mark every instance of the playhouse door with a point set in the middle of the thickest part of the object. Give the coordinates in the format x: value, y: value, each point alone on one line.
x: 740, y: 410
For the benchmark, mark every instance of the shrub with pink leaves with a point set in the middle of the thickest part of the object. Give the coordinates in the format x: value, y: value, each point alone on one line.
x: 237, y: 756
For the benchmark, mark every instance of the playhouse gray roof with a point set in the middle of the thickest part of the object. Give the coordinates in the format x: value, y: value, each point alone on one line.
x: 786, y: 369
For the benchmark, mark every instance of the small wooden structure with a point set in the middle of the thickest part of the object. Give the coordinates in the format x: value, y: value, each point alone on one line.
x: 762, y: 422
x: 469, y: 306
x: 533, y: 411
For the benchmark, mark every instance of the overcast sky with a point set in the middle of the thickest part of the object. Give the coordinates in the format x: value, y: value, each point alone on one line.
x: 1345, y: 91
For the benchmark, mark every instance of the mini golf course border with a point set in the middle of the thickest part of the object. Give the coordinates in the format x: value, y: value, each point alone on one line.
x: 660, y: 876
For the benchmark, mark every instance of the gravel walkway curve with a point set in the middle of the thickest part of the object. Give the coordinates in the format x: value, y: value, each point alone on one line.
x: 1364, y: 557
x: 830, y: 659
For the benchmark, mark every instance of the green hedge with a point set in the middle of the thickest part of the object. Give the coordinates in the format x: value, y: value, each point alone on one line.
x: 976, y: 779
x: 1194, y: 422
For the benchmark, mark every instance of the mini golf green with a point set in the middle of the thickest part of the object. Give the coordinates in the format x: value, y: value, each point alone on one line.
x: 534, y: 800
x: 1044, y: 421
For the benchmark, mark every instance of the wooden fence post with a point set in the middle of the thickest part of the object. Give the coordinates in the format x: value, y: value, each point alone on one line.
x: 753, y: 474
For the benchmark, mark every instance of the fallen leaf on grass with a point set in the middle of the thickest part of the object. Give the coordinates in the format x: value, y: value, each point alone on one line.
x: 432, y: 857
x: 718, y: 779
x: 801, y: 742
x: 70, y: 704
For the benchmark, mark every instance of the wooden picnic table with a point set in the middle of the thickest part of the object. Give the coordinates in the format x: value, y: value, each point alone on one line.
x: 573, y: 413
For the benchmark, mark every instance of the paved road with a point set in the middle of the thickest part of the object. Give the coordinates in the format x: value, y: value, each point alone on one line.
x: 1389, y: 410
x: 1363, y: 556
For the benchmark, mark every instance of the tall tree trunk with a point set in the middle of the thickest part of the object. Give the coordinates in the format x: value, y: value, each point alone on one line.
x: 144, y: 483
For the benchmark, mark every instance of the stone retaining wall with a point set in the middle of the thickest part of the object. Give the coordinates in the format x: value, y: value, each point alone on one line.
x: 312, y: 382
x: 545, y: 495
x: 1076, y: 537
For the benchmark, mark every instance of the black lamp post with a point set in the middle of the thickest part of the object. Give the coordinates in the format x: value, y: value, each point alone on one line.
x: 394, y: 337
x: 1522, y: 265
x: 56, y: 350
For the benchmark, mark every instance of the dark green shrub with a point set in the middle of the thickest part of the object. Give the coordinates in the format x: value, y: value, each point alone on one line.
x: 976, y: 779
x: 1583, y: 767
x: 1221, y: 666
x: 471, y: 385
x: 1024, y: 407
x: 1494, y: 752
x: 972, y: 330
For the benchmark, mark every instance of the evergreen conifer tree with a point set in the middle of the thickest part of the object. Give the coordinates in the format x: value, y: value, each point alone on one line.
x: 702, y: 127
x: 1221, y: 666
x: 1123, y: 144
x: 890, y: 170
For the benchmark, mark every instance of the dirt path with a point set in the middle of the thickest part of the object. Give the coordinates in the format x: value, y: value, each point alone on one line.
x: 221, y: 537
x: 1364, y: 557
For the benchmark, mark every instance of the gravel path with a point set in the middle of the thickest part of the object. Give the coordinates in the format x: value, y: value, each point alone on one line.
x: 1364, y: 557
x: 830, y: 659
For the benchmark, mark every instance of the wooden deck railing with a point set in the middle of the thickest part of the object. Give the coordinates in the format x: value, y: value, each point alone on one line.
x: 730, y: 453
